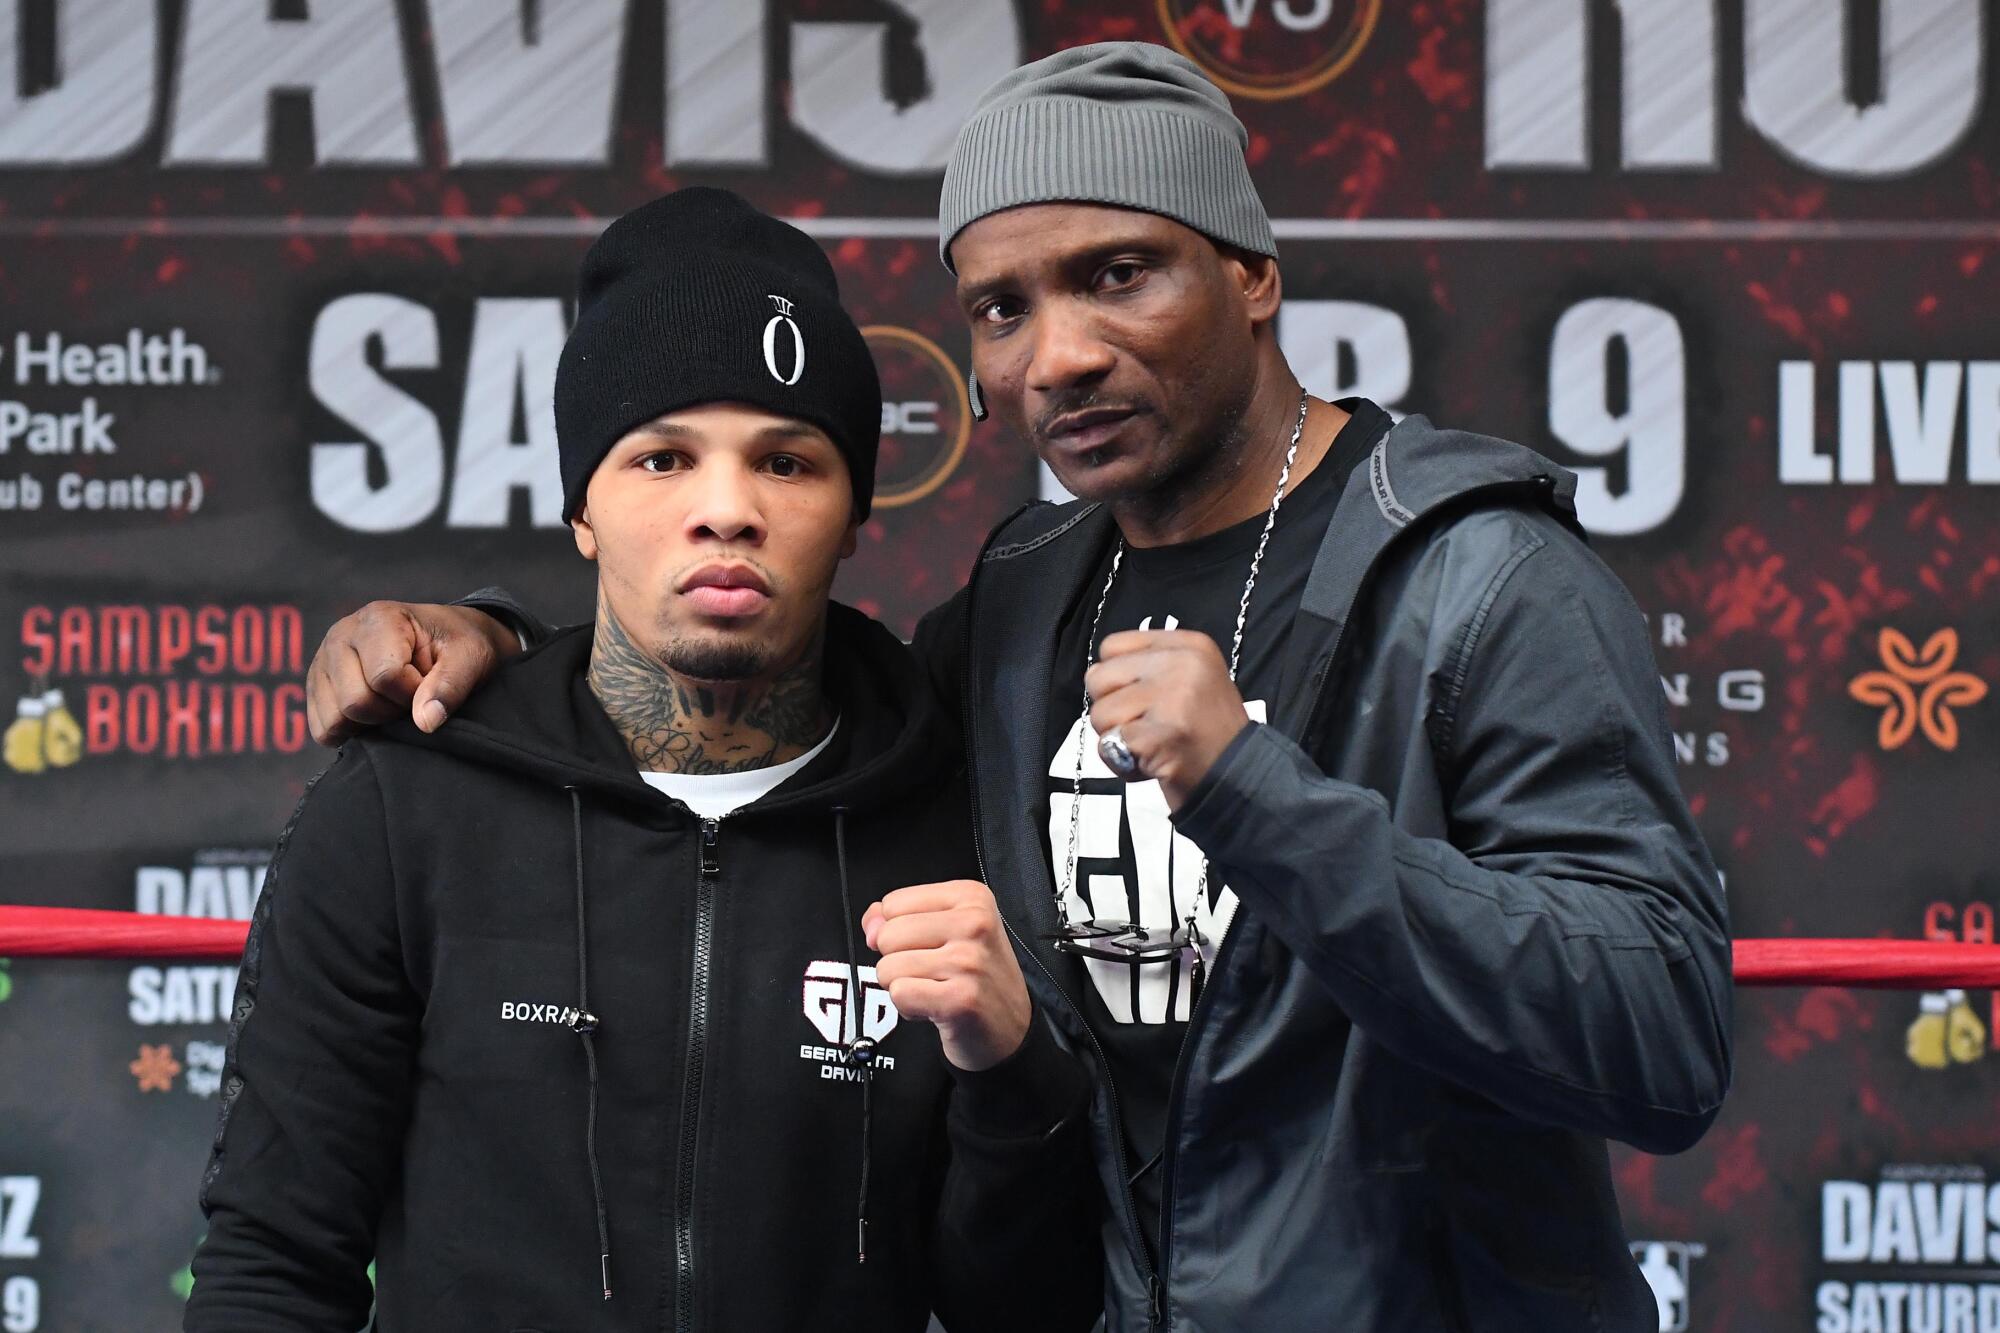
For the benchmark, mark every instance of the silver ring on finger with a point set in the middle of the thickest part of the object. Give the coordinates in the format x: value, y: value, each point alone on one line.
x: 1117, y: 755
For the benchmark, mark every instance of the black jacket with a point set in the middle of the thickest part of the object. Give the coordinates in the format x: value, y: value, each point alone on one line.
x: 505, y: 1009
x: 1479, y: 933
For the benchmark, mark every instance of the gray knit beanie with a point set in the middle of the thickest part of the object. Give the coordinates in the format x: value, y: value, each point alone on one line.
x: 1123, y: 123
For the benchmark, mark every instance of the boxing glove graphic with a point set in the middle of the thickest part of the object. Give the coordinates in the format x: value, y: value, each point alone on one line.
x: 1924, y: 1043
x: 1964, y: 1034
x: 23, y: 744
x: 62, y: 738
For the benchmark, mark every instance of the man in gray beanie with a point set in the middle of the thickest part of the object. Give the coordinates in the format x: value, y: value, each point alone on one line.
x: 1323, y: 773
x: 1362, y: 681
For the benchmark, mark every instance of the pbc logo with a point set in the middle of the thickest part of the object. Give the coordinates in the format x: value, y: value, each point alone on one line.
x: 926, y: 415
x: 1664, y: 1264
x: 828, y: 1009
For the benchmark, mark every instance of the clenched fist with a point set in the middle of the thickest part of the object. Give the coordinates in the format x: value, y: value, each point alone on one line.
x: 1169, y: 694
x: 946, y: 959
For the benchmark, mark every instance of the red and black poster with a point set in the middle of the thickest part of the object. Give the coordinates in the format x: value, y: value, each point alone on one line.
x: 282, y: 288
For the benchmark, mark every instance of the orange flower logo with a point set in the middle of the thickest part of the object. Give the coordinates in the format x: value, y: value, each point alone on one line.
x: 155, y: 1068
x: 1918, y: 689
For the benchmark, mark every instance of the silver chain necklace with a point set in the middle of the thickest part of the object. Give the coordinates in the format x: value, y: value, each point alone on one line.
x: 1068, y: 886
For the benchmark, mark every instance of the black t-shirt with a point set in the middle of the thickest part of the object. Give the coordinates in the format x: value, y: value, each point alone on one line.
x: 1130, y: 864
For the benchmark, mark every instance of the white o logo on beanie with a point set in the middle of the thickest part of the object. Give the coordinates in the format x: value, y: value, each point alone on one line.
x: 784, y: 317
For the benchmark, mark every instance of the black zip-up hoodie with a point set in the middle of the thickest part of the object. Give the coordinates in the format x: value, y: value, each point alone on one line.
x: 559, y: 1055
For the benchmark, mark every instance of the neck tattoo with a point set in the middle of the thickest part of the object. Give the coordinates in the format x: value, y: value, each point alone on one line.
x: 704, y: 728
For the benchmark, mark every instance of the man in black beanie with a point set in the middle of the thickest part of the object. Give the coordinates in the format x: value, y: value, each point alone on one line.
x: 558, y: 1013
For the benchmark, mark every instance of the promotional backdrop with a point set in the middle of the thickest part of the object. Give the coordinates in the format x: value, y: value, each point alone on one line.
x: 282, y: 289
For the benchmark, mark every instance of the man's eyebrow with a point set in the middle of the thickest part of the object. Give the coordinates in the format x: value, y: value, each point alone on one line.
x: 1084, y: 257
x: 777, y: 430
x: 974, y: 292
x: 793, y: 430
x: 1096, y: 253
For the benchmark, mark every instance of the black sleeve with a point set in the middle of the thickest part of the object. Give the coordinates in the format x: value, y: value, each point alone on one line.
x: 316, y: 1083
x: 940, y: 648
x: 1017, y: 1242
x: 500, y: 604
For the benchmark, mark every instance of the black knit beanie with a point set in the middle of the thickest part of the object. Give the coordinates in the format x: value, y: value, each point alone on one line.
x: 699, y: 298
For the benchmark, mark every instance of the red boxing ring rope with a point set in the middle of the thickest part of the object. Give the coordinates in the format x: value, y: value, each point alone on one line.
x: 70, y: 932
x: 66, y: 932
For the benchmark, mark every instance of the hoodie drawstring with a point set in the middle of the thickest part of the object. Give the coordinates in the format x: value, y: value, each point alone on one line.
x: 860, y: 1053
x: 584, y: 1024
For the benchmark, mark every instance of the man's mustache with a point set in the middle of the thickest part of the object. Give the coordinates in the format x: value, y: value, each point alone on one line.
x: 1069, y: 402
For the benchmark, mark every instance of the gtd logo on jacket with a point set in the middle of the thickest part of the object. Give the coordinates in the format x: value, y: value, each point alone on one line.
x: 828, y: 1008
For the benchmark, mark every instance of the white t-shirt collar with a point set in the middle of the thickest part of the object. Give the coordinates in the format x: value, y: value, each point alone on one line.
x: 713, y: 795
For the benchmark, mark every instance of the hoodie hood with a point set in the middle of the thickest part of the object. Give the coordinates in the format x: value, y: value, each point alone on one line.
x: 538, y: 716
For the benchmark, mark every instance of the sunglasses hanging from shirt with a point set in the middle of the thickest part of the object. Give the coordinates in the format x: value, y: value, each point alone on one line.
x: 1129, y: 942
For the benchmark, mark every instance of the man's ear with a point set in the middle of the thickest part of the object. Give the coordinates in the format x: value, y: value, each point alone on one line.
x: 586, y: 536
x: 850, y: 542
x: 1263, y: 289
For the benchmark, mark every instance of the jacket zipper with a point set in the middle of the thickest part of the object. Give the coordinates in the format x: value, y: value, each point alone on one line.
x: 697, y: 1045
x: 1154, y: 1291
x: 1167, y: 1154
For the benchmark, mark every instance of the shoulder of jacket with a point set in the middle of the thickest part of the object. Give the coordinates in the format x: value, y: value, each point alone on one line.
x: 1499, y: 530
x: 350, y: 787
x: 1033, y: 526
x: 1498, y: 538
x: 1482, y: 543
x: 1530, y: 557
x: 1524, y: 569
x: 382, y: 772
